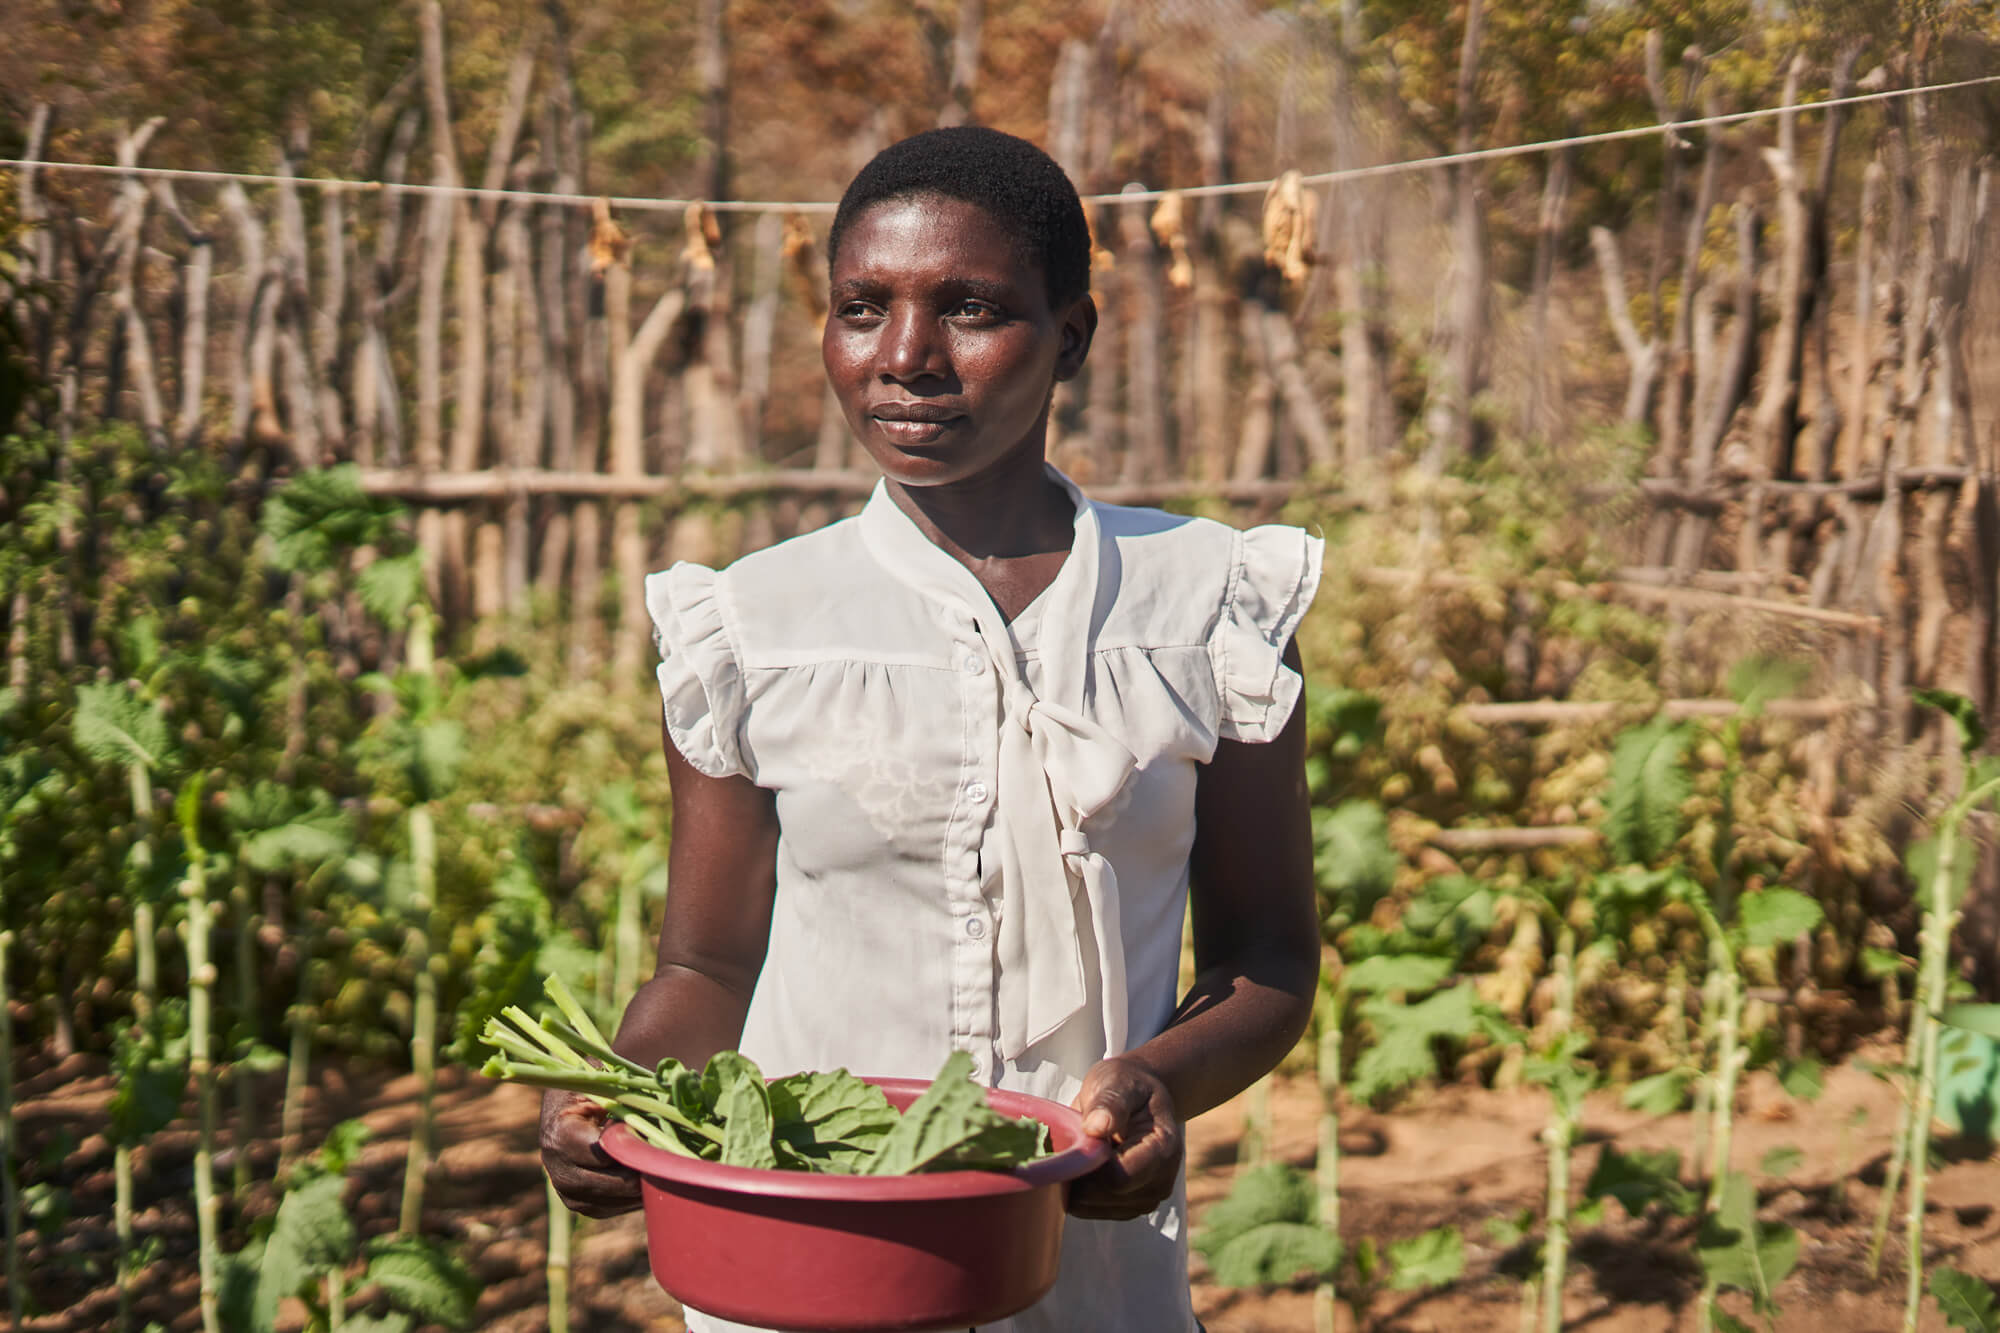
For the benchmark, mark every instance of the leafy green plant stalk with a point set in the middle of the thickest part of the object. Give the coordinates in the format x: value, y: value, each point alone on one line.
x: 1559, y: 1135
x: 1928, y: 1017
x: 201, y: 990
x: 145, y: 927
x: 561, y: 1225
x: 1332, y: 1002
x: 246, y: 1010
x: 423, y: 1026
x: 10, y: 1191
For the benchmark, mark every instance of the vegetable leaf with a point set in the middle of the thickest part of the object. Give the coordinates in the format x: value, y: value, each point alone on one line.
x: 1639, y: 1179
x: 1266, y: 1194
x: 1782, y: 1160
x: 1276, y: 1252
x: 113, y: 726
x: 950, y: 1127
x: 1395, y: 972
x: 1775, y: 916
x: 1967, y: 1302
x: 1736, y: 1250
x: 1961, y: 710
x: 1429, y: 1260
x: 1648, y: 787
x: 421, y: 1278
x: 1401, y: 1053
x: 1982, y: 1019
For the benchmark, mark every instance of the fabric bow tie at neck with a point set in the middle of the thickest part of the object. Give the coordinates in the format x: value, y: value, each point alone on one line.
x: 1057, y: 768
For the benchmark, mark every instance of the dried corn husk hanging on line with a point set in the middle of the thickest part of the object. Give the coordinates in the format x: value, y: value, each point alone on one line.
x: 703, y: 235
x: 1291, y: 215
x: 801, y: 256
x: 1101, y: 259
x: 1170, y: 230
x: 609, y: 243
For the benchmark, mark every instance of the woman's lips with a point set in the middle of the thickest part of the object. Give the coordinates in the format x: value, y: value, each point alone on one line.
x: 914, y: 423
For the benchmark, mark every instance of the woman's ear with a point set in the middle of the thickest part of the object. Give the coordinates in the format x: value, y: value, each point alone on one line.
x: 1079, y: 326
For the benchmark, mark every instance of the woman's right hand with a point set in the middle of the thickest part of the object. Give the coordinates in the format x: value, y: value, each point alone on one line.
x: 583, y: 1173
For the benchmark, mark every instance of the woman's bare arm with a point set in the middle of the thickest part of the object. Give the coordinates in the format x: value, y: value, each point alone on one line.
x: 722, y: 876
x: 1256, y: 956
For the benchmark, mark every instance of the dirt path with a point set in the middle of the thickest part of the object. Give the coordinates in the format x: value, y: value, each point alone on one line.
x: 1460, y: 1156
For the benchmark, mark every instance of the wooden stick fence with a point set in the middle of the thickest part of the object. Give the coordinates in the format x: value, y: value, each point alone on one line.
x: 564, y: 401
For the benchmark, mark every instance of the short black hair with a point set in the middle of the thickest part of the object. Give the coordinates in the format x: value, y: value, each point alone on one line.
x: 1017, y: 183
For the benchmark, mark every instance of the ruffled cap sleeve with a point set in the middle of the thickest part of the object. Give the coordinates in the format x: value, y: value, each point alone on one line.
x: 701, y: 684
x: 1272, y: 580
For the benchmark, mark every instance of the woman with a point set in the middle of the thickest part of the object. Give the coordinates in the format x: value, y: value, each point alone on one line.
x: 947, y: 775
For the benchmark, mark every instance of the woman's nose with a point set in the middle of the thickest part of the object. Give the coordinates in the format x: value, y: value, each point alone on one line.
x: 911, y: 348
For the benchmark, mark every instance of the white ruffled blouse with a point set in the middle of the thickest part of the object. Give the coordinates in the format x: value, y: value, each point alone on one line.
x: 984, y: 827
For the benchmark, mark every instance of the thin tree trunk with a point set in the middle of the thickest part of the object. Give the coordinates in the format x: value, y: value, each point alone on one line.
x: 1775, y: 426
x: 711, y: 60
x: 760, y: 323
x: 1453, y: 431
x: 294, y: 311
x: 1642, y: 356
x: 1854, y: 456
x: 1145, y: 397
x: 195, y: 278
x: 32, y: 312
x: 1254, y: 439
x: 128, y: 238
x: 1545, y: 387
x: 632, y: 357
x: 964, y: 63
x: 253, y: 412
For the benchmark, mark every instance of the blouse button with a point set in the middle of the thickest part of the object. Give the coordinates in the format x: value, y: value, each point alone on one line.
x: 976, y: 793
x: 975, y: 928
x: 972, y: 664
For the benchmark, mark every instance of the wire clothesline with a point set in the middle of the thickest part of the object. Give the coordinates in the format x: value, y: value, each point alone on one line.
x: 635, y: 203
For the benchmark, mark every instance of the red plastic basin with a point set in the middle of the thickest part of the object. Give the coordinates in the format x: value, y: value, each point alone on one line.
x: 817, y: 1253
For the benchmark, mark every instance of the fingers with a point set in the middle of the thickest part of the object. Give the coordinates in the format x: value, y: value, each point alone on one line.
x: 1129, y: 1106
x: 585, y: 1177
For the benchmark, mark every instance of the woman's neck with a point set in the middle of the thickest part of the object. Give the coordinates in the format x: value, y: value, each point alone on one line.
x: 1013, y: 509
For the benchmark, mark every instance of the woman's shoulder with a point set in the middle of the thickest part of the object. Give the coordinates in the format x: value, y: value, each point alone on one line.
x: 1191, y: 570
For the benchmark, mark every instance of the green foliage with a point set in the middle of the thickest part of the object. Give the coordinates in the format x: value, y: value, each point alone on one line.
x: 1781, y: 1161
x: 1433, y: 1259
x: 1963, y: 713
x: 1352, y: 860
x: 1755, y: 681
x: 811, y: 1122
x: 313, y: 1241
x: 1641, y: 1178
x: 1568, y: 1077
x: 317, y: 517
x: 1406, y: 1035
x: 1736, y: 1250
x: 1967, y: 1302
x: 115, y: 727
x: 150, y: 1062
x: 1775, y: 916
x: 1266, y: 1230
x: 1649, y: 787
x: 1660, y: 1094
x: 1968, y: 1091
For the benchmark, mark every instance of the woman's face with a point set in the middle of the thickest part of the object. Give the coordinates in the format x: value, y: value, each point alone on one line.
x: 940, y: 342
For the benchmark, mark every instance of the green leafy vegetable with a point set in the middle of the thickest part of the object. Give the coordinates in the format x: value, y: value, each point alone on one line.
x: 728, y: 1113
x: 1967, y: 1302
x: 1429, y: 1260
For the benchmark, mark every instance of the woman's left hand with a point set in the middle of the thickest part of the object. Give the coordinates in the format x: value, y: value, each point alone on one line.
x: 1125, y: 1102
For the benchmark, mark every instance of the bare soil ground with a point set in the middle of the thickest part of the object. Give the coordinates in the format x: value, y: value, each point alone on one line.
x: 1460, y: 1155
